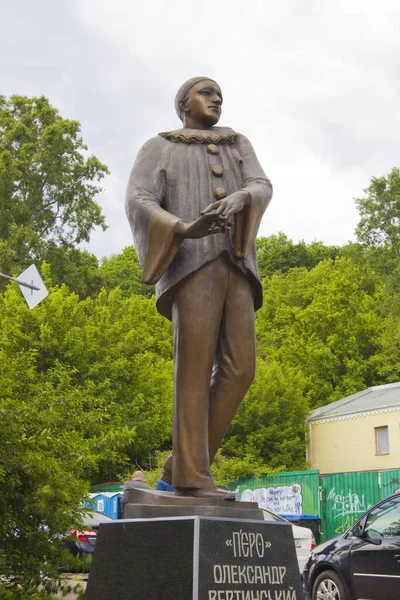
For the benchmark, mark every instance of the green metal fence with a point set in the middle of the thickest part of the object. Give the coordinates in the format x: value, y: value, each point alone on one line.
x: 345, y: 497
x: 389, y: 482
x: 295, y: 492
x: 337, y: 498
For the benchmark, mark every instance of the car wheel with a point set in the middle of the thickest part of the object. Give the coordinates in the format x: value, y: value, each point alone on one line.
x: 328, y: 586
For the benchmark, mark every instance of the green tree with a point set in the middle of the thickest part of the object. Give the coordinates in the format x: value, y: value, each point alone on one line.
x: 387, y: 359
x: 379, y: 210
x: 279, y: 253
x: 85, y: 390
x: 77, y: 269
x: 124, y: 270
x: 324, y: 322
x: 318, y: 340
x: 47, y: 182
x: 119, y: 349
x: 270, y: 425
x: 54, y: 435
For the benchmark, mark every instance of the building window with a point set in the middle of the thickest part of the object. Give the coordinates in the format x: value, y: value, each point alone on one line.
x: 382, y: 440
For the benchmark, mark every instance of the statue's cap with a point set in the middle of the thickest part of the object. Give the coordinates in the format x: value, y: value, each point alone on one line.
x: 184, y: 89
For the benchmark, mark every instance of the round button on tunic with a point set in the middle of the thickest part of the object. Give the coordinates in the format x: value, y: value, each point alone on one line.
x: 220, y: 193
x: 217, y: 170
x: 212, y: 149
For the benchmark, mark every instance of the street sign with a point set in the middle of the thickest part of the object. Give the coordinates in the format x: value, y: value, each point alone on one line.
x: 31, y: 285
x: 32, y: 296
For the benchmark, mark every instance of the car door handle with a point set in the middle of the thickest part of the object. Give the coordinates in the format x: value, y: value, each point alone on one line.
x: 397, y: 557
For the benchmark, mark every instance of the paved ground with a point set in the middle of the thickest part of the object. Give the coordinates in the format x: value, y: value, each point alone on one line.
x: 75, y: 580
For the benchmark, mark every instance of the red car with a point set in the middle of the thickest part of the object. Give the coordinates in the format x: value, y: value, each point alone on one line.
x: 82, y: 542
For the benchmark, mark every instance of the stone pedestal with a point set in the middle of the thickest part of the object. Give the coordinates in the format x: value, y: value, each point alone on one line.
x: 150, y: 504
x: 194, y: 558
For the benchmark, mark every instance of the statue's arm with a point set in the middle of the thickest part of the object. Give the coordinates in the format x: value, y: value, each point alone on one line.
x: 247, y: 204
x: 153, y: 228
x: 259, y: 190
x: 157, y: 233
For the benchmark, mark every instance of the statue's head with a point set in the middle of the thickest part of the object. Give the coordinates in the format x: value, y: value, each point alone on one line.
x: 198, y: 103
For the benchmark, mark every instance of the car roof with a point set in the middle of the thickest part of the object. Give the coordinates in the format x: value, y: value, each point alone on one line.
x: 95, y: 518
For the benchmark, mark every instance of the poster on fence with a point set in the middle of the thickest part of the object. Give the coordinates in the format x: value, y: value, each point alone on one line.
x: 282, y: 499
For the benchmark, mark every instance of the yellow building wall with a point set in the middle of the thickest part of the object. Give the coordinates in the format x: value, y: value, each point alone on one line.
x: 349, y: 444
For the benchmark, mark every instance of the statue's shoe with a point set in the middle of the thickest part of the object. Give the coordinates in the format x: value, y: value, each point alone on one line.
x: 206, y: 492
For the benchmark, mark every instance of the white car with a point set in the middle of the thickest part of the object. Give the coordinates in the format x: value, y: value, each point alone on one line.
x: 304, y: 540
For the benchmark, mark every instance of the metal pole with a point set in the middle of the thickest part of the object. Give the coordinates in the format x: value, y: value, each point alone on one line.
x: 28, y: 285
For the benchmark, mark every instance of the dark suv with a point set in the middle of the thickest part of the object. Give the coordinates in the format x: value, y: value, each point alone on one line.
x: 361, y: 564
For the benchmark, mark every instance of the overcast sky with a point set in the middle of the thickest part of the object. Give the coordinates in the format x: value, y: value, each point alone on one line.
x: 313, y: 84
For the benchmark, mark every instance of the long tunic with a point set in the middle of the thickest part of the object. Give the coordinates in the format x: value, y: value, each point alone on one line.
x: 174, y: 178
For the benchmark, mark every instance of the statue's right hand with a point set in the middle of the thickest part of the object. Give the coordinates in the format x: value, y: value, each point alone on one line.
x: 206, y: 224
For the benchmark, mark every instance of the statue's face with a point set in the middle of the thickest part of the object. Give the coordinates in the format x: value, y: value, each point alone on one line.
x: 203, y: 104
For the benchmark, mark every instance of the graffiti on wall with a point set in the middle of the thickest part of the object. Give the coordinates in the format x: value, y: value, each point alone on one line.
x: 283, y: 499
x: 347, y: 503
x: 346, y: 507
x: 394, y: 483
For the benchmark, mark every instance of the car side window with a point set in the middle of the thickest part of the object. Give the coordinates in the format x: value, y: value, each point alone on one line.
x: 384, y: 521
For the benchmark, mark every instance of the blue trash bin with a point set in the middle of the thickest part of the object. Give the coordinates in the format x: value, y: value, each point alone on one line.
x: 311, y: 521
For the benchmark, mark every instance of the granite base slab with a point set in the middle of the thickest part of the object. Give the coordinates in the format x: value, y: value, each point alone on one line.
x: 194, y: 558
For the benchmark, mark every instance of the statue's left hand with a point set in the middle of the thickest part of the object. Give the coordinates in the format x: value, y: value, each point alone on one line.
x: 230, y: 205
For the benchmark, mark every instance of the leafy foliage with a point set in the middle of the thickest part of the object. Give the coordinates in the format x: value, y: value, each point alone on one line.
x: 77, y: 379
x: 380, y: 212
x: 227, y: 469
x: 270, y: 425
x: 77, y: 269
x: 48, y: 451
x: 317, y: 342
x: 124, y: 270
x: 47, y: 182
x: 279, y: 253
x: 323, y: 322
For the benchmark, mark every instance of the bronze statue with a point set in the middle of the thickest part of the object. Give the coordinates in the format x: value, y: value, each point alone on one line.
x: 194, y: 201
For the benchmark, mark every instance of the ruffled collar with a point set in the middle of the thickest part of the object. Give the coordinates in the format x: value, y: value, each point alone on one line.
x: 216, y: 135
